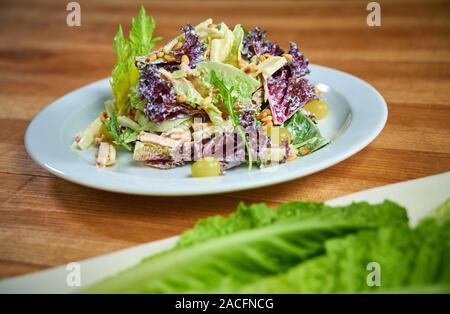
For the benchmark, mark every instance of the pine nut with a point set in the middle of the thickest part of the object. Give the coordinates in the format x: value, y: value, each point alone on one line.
x: 177, y: 46
x: 262, y: 115
x: 292, y: 156
x: 287, y: 56
x: 169, y: 58
x: 185, y: 59
x: 268, y: 123
x: 207, y: 100
x: 160, y: 54
x: 151, y: 58
x: 103, y: 116
x: 304, y: 150
x: 182, y: 98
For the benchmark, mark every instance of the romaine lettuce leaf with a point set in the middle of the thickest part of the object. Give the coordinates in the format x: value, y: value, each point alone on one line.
x: 418, y: 259
x: 234, y: 56
x: 250, y: 251
x: 221, y: 47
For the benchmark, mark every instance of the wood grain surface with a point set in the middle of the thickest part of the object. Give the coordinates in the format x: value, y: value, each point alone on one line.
x: 46, y: 221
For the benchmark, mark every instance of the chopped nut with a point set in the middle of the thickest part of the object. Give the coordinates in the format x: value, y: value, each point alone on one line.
x: 287, y: 56
x: 242, y: 64
x: 251, y: 68
x: 182, y: 98
x: 103, y: 116
x: 160, y: 54
x: 177, y: 46
x: 267, y: 119
x: 151, y: 58
x: 99, y: 139
x: 169, y: 58
x: 268, y: 124
x: 292, y: 156
x: 207, y: 100
x: 185, y: 59
x: 304, y: 150
x: 262, y: 115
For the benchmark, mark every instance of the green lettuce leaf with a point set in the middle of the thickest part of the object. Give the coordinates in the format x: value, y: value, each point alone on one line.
x: 119, y: 136
x: 234, y: 56
x: 249, y: 253
x: 142, y: 27
x: 242, y: 85
x: 305, y: 136
x: 415, y: 260
x: 125, y: 75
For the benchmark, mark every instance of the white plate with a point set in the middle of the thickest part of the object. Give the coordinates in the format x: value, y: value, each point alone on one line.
x: 357, y: 115
x: 418, y: 196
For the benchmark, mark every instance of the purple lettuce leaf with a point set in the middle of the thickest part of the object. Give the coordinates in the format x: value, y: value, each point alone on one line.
x: 299, y: 64
x: 256, y: 137
x: 287, y: 89
x: 287, y: 94
x: 161, y: 103
x: 192, y: 46
x: 256, y: 43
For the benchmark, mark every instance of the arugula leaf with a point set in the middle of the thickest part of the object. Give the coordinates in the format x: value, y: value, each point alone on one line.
x: 120, y: 137
x: 229, y: 100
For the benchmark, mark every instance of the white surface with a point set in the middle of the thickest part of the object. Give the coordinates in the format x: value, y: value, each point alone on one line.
x: 357, y: 115
x: 419, y: 197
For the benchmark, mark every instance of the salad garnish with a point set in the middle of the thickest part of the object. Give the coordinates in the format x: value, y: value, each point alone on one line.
x: 213, y: 94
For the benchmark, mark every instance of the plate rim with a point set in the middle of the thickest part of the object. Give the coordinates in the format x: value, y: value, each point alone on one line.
x: 211, y: 188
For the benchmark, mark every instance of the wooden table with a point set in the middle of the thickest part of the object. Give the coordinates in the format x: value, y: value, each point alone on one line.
x: 46, y: 221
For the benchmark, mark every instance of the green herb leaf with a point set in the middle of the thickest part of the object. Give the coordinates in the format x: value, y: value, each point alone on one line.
x: 125, y: 75
x: 141, y: 33
x: 229, y: 100
x: 120, y: 137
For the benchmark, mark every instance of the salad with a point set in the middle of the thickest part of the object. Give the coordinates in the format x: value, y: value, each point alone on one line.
x: 215, y: 96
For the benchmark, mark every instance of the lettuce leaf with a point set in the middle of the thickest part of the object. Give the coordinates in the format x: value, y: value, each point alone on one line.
x: 234, y: 56
x: 249, y: 250
x: 125, y: 75
x: 305, y: 136
x: 418, y: 259
x: 120, y: 136
x: 142, y: 27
